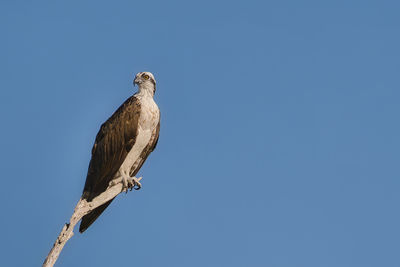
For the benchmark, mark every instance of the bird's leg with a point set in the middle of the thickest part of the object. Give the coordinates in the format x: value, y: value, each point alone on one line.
x: 130, y: 183
x: 127, y: 182
x: 134, y: 183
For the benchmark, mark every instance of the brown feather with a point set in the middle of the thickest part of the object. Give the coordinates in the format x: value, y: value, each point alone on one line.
x: 113, y: 142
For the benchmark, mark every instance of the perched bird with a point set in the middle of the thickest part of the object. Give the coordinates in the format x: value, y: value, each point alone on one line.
x: 122, y: 145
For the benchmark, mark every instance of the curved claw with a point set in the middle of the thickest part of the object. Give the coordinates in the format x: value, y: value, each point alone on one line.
x: 131, y: 183
x: 125, y: 185
x: 137, y: 184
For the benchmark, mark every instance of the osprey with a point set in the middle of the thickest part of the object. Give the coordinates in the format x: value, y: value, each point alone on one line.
x: 122, y: 145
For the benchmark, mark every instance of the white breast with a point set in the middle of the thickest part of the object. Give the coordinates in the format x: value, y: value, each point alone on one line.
x: 150, y: 114
x: 148, y: 120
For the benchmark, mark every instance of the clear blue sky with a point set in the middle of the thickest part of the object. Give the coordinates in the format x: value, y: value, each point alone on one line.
x: 279, y: 143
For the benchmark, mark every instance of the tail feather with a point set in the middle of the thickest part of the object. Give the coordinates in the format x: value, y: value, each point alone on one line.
x: 88, y: 219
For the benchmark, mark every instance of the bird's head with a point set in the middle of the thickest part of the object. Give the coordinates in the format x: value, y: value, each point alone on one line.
x: 146, y: 82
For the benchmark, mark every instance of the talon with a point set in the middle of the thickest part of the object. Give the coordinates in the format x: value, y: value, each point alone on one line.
x: 131, y: 183
x: 136, y: 184
x: 124, y: 184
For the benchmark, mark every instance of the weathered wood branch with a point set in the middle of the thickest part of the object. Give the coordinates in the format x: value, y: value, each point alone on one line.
x: 81, y: 209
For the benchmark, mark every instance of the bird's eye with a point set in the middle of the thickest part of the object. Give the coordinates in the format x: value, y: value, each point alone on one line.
x: 146, y: 77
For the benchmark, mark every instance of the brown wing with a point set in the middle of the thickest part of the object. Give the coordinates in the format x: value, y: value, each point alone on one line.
x: 113, y: 142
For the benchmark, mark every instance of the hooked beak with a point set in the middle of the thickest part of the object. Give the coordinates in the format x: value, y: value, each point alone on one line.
x: 137, y: 81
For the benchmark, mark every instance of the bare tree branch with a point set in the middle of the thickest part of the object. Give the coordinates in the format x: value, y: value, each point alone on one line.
x: 81, y: 209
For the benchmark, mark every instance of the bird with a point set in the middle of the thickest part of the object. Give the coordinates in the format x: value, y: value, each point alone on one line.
x: 122, y: 145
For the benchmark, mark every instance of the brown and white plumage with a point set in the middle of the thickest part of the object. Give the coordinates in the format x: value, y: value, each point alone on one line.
x: 123, y: 143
